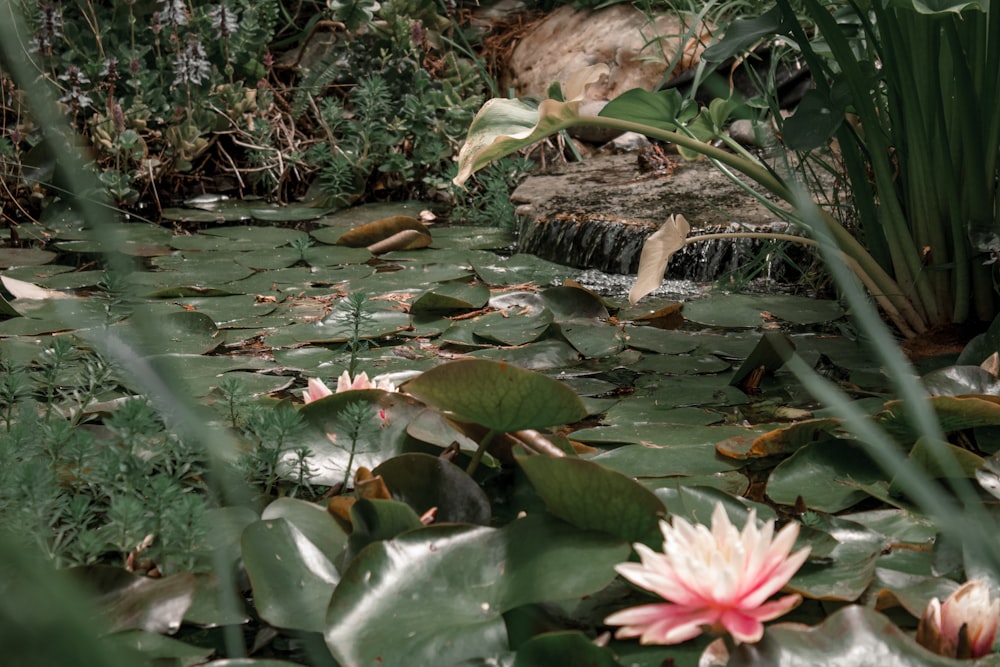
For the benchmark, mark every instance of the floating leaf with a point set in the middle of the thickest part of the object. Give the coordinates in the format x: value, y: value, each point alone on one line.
x: 656, y: 254
x: 424, y: 482
x: 563, y: 648
x: 292, y: 579
x: 770, y: 354
x: 824, y: 475
x: 874, y: 640
x: 497, y: 395
x: 132, y: 602
x: 10, y: 257
x: 592, y: 497
x: 435, y: 596
x: 751, y: 310
x: 452, y: 296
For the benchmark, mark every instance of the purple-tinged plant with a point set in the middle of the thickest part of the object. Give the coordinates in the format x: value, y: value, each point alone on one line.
x: 224, y: 21
x: 74, y: 97
x: 50, y: 24
x: 174, y: 14
x: 192, y: 66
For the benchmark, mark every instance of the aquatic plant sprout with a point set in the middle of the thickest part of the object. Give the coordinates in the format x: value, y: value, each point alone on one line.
x: 965, y: 625
x: 718, y: 579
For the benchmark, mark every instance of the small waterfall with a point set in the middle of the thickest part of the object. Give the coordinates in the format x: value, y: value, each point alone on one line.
x: 613, y: 245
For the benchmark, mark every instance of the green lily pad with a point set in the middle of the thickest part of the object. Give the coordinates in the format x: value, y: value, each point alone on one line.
x: 593, y: 339
x: 520, y: 269
x: 379, y: 612
x: 537, y: 356
x: 132, y: 602
x: 748, y: 310
x: 156, y: 647
x: 874, y: 641
x: 498, y: 327
x: 660, y: 341
x: 10, y: 257
x: 292, y: 579
x: 593, y: 497
x: 563, y: 648
x: 472, y: 238
x: 330, y: 457
x: 497, y: 395
x: 424, y: 482
x: 820, y: 473
x: 452, y: 296
x: 668, y: 460
x: 847, y: 569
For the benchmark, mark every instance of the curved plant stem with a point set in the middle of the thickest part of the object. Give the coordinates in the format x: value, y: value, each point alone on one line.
x: 478, y: 456
x: 875, y: 278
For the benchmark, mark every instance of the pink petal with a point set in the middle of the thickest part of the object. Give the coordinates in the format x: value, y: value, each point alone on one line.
x: 662, y: 623
x: 315, y: 390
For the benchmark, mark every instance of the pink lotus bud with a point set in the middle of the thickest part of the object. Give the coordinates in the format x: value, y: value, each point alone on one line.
x: 964, y: 626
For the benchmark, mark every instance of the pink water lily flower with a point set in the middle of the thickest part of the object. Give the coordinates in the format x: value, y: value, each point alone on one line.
x: 964, y: 626
x: 317, y: 389
x: 718, y: 579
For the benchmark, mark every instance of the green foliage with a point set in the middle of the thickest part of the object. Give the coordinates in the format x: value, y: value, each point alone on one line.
x: 83, y: 495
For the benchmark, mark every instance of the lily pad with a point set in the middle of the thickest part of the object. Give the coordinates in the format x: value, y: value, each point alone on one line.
x: 753, y: 310
x: 379, y: 612
x: 292, y: 579
x: 825, y: 474
x: 10, y: 257
x: 593, y: 497
x: 424, y: 482
x: 497, y: 395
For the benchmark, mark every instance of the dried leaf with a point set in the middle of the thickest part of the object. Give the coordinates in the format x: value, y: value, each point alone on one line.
x: 656, y: 254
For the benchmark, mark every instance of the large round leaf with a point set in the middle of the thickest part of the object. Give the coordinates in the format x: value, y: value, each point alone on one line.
x: 497, y: 395
x: 592, y: 497
x: 751, y: 310
x: 435, y: 596
x: 851, y: 637
x: 423, y: 482
x: 292, y: 579
x: 825, y: 475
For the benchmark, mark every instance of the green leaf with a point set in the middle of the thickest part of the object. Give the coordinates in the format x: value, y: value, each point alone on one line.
x: 497, y: 395
x: 744, y: 33
x: 292, y: 579
x: 771, y: 353
x: 824, y: 474
x: 374, y: 520
x: 452, y: 296
x: 311, y: 520
x: 435, y: 596
x: 815, y: 121
x: 131, y: 602
x: 564, y: 648
x: 592, y: 497
x: 748, y: 310
x: 423, y: 481
x: 504, y: 126
x: 854, y: 636
x: 659, y: 109
x: 846, y: 570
